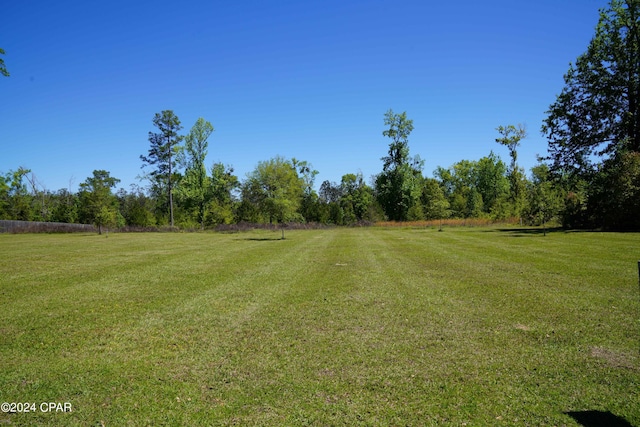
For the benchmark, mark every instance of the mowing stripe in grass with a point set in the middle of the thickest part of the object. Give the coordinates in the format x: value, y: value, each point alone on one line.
x: 328, y: 327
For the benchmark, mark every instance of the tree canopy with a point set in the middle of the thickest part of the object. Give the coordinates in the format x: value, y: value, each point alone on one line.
x: 162, y: 154
x: 590, y: 179
x: 510, y: 138
x: 100, y: 205
x: 274, y: 189
x: 194, y: 187
x: 598, y: 111
x: 593, y: 127
x: 3, y: 68
x: 397, y: 188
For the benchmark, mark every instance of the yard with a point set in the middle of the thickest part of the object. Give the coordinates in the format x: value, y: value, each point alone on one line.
x: 345, y: 326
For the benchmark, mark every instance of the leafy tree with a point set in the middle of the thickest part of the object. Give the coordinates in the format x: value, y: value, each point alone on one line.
x: 40, y: 199
x: 593, y: 127
x: 65, y: 207
x: 417, y: 211
x: 545, y: 198
x: 598, y: 111
x: 3, y: 69
x: 330, y: 192
x: 615, y: 193
x: 223, y: 184
x: 397, y: 187
x: 356, y: 198
x: 136, y: 207
x: 458, y: 181
x: 348, y: 202
x: 4, y: 197
x: 98, y: 205
x: 194, y: 187
x: 511, y: 137
x: 475, y: 188
x: 576, y: 191
x: 493, y: 186
x: 162, y: 154
x: 274, y: 190
x: 15, y: 198
x: 309, y: 206
x: 306, y: 173
x: 434, y: 202
x: 475, y: 204
x: 329, y: 197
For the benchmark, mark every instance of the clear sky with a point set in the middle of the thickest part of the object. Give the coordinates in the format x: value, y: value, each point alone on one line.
x: 305, y: 79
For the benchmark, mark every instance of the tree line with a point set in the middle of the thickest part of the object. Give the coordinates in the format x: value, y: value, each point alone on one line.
x: 590, y: 179
x: 183, y: 192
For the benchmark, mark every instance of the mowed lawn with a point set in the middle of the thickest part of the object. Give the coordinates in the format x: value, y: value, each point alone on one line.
x: 362, y: 326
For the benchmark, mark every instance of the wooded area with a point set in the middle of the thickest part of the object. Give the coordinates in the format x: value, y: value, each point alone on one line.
x: 591, y: 178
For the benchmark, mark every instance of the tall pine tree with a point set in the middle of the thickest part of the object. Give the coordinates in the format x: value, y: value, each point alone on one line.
x: 162, y: 153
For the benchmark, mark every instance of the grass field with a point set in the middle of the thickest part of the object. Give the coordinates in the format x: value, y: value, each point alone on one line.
x: 371, y: 326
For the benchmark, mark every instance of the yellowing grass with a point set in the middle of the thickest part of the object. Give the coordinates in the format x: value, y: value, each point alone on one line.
x: 457, y: 222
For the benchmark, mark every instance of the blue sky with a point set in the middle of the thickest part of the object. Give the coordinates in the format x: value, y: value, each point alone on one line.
x: 304, y: 79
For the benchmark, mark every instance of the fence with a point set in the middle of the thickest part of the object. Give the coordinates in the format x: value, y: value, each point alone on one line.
x: 449, y: 222
x: 10, y: 226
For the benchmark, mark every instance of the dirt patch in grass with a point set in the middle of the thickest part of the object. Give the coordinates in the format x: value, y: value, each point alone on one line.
x: 614, y: 358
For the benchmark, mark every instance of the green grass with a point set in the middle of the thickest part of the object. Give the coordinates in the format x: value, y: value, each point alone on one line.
x: 370, y: 326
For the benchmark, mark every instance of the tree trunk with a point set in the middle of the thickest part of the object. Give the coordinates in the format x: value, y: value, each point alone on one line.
x: 633, y: 38
x: 170, y: 189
